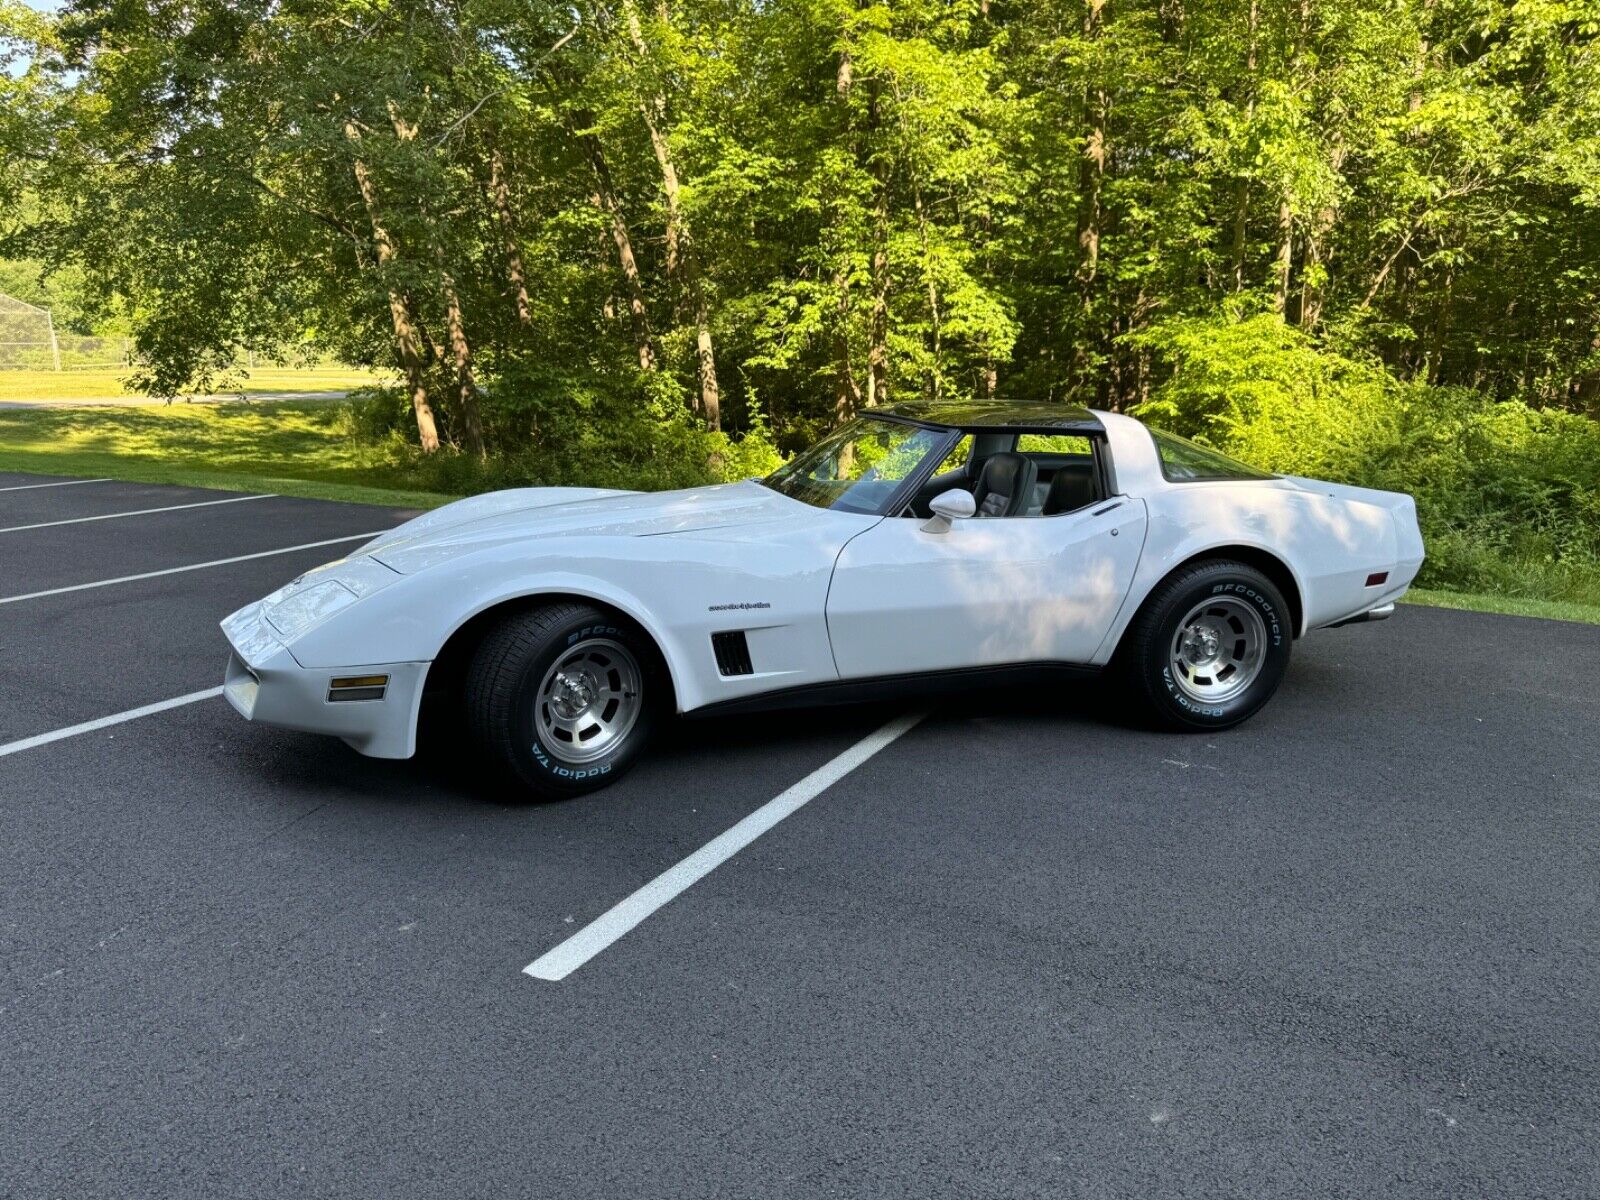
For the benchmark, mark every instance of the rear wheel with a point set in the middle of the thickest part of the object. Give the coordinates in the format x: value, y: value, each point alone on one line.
x: 563, y: 697
x: 1209, y: 647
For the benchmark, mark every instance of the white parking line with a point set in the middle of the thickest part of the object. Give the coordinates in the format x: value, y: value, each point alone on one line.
x: 142, y: 512
x: 24, y: 487
x: 132, y: 714
x: 608, y: 927
x: 216, y: 562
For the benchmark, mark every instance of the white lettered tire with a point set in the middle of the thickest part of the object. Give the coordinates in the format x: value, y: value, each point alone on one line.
x: 1209, y: 647
x: 563, y: 697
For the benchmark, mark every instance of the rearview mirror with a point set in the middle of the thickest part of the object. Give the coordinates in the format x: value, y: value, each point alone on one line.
x: 947, y: 506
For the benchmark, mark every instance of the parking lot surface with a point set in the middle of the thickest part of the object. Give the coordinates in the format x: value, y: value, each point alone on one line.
x: 1348, y: 949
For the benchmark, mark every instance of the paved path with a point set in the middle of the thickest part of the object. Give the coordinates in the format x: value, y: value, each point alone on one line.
x: 1346, y: 950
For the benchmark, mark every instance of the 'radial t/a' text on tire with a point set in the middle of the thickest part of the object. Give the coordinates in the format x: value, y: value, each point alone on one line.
x: 564, y: 697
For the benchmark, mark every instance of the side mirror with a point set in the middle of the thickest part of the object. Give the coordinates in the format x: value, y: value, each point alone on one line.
x: 947, y: 506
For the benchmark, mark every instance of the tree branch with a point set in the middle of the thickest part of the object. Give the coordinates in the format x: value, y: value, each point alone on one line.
x: 473, y: 111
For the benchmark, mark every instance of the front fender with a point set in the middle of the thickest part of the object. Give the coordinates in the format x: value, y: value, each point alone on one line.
x: 412, y: 619
x: 680, y: 590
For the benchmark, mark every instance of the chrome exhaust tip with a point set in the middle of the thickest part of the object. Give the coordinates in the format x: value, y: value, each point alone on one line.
x: 1382, y: 613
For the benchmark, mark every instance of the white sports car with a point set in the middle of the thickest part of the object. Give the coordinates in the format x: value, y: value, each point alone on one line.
x: 918, y: 543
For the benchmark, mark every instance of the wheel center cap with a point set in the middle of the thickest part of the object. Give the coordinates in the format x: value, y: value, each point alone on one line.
x: 1200, y: 644
x: 571, y: 695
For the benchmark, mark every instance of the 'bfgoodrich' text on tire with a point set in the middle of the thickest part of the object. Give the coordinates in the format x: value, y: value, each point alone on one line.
x: 1208, y: 648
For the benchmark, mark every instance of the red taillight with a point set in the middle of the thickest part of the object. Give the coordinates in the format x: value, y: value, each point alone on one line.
x: 1377, y: 577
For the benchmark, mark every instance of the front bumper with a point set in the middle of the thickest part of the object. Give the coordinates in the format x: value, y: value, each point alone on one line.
x: 264, y: 683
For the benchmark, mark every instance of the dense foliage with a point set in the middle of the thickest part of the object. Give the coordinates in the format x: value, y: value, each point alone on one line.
x: 1508, y: 494
x: 618, y: 238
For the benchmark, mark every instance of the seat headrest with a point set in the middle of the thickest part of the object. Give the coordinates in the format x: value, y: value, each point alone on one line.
x: 1070, y: 488
x: 1006, y: 484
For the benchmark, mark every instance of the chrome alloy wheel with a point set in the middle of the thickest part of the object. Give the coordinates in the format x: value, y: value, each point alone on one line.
x: 1218, y: 649
x: 589, y: 701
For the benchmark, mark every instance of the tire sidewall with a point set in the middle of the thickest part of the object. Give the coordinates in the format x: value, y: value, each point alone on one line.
x: 1238, y: 583
x: 533, y: 760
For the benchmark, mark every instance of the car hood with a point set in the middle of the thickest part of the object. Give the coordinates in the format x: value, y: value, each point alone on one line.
x: 746, y: 510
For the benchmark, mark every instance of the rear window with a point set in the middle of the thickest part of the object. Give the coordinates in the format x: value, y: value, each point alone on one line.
x: 1050, y: 443
x: 1184, y: 462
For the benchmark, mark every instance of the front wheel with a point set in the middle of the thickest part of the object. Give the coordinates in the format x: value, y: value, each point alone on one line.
x: 1209, y: 647
x: 563, y: 697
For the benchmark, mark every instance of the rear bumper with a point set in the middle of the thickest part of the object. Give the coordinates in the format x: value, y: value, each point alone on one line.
x: 265, y: 684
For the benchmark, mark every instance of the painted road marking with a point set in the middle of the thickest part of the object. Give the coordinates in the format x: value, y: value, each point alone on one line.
x: 608, y: 927
x: 217, y: 562
x: 143, y: 512
x: 24, y: 487
x: 132, y: 714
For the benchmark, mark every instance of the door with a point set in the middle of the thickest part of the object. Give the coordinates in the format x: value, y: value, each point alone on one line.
x: 987, y: 592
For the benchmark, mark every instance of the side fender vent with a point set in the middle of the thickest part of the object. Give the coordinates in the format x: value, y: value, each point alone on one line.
x: 733, y: 653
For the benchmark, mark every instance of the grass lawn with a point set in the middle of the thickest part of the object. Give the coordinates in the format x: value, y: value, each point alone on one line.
x: 1517, y: 606
x: 105, y: 383
x: 291, y: 448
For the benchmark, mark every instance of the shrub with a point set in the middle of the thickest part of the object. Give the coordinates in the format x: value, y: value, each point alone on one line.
x: 549, y: 429
x: 1508, y: 495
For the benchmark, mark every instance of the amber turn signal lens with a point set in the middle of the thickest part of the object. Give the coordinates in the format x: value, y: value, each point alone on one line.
x: 359, y: 681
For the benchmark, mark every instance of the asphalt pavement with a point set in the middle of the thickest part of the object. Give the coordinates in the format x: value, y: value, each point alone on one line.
x: 1348, y: 949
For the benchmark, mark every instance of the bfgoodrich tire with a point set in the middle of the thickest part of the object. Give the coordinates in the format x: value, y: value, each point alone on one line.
x: 563, y: 697
x: 1209, y: 647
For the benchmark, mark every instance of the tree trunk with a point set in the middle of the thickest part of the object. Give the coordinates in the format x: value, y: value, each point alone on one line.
x: 605, y: 199
x: 1241, y: 215
x: 1280, y: 297
x: 408, y: 344
x: 460, y: 348
x: 935, y: 379
x: 710, y: 397
x: 1433, y: 366
x: 1241, y: 225
x: 1092, y: 166
x: 461, y: 352
x: 433, y: 352
x: 1586, y: 389
x: 500, y: 191
x: 878, y: 327
x: 1310, y: 291
x: 1091, y: 182
x: 1420, y: 65
x: 1313, y: 291
x: 846, y: 392
x: 681, y: 260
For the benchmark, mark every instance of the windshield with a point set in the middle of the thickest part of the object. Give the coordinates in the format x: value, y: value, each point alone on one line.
x: 859, y: 467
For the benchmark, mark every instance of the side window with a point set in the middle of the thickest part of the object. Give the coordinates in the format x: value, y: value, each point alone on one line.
x: 1182, y: 461
x: 1067, y: 480
x: 952, y: 463
x: 957, y: 458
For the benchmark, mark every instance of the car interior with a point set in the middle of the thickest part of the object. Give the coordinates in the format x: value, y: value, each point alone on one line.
x: 1016, y: 475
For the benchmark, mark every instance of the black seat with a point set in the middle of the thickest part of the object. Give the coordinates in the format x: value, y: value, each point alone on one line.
x: 1070, y: 488
x: 1006, y: 485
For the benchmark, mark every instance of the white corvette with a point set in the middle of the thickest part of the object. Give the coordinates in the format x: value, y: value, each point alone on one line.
x: 915, y: 544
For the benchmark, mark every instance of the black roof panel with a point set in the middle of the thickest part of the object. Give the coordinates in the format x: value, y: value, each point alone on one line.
x: 995, y: 414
